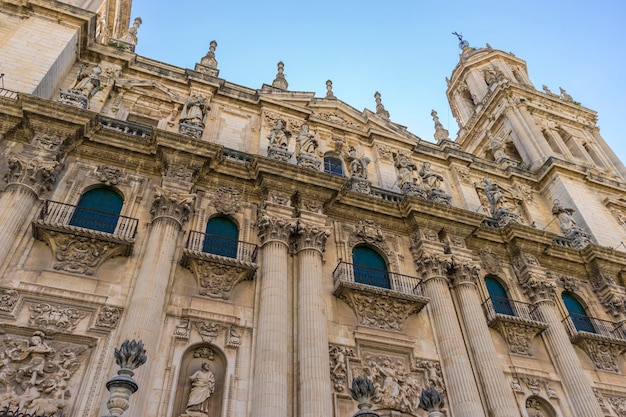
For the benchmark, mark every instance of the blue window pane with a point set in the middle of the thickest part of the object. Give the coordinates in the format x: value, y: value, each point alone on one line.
x: 221, y: 237
x: 333, y: 165
x: 98, y: 209
x: 370, y: 268
x: 499, y: 297
x: 577, y: 313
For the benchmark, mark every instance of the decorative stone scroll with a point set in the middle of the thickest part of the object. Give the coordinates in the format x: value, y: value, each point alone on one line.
x: 108, y: 318
x: 53, y: 318
x: 518, y: 333
x: 40, y: 376
x: 8, y: 300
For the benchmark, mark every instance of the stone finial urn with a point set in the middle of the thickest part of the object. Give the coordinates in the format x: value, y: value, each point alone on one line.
x: 362, y: 391
x: 431, y: 400
x: 129, y: 357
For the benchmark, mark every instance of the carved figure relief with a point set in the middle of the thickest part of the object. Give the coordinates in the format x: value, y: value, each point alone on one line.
x: 86, y: 86
x: 278, y: 138
x: 502, y: 206
x: 339, y: 365
x: 39, y: 376
x: 193, y: 116
x: 306, y: 148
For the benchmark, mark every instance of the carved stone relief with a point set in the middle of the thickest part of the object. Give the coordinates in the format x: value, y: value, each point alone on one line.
x: 233, y: 337
x: 80, y: 254
x: 109, y: 175
x: 490, y: 261
x: 208, y: 331
x: 8, y: 300
x: 618, y: 404
x: 519, y: 336
x: 108, y: 318
x: 173, y: 205
x: 274, y: 228
x: 463, y: 173
x: 216, y: 278
x: 40, y: 376
x: 339, y: 365
x: 605, y: 355
x: 227, y: 200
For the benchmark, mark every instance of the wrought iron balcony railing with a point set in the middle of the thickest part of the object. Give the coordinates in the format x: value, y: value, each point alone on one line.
x: 585, y: 326
x: 498, y: 306
x: 199, y: 242
x: 346, y: 272
x: 67, y: 216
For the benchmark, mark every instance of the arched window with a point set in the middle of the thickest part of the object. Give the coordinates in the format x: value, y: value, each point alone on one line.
x: 577, y: 313
x: 499, y: 297
x: 98, y: 209
x: 221, y: 237
x: 333, y: 165
x: 369, y: 267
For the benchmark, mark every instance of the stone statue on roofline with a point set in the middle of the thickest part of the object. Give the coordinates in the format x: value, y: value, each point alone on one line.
x: 192, y: 117
x: 86, y: 86
x: 306, y: 148
x: 577, y: 236
x: 278, y: 138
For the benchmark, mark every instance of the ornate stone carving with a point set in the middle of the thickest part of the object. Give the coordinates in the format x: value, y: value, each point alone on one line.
x: 577, y: 237
x: 377, y: 308
x: 280, y: 81
x: 172, y: 205
x: 357, y: 165
x: 310, y: 237
x: 432, y: 266
x: 431, y: 370
x: 276, y: 197
x: 233, y: 337
x: 217, y: 277
x: 408, y: 179
x: 618, y: 404
x: 79, y: 254
x: 604, y: 354
x: 502, y: 206
x: 38, y: 175
x: 568, y: 283
x: 86, y: 86
x: 227, y: 200
x: 193, y: 117
x: 600, y: 399
x: 183, y: 329
x: 335, y: 118
x: 490, y: 261
x: 54, y: 318
x: 108, y: 317
x: 518, y: 335
x: 538, y: 286
x: 369, y: 232
x: 208, y: 331
x: 385, y: 153
x: 380, y: 109
x: 306, y: 148
x: 109, y: 175
x: 463, y: 173
x: 339, y: 365
x: 181, y: 174
x: 274, y: 228
x: 431, y: 182
x: 8, y: 300
x: 461, y: 273
x: 39, y: 376
x: 279, y: 141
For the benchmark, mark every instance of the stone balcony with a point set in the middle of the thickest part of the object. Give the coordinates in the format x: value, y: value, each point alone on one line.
x: 219, y: 263
x: 517, y: 322
x: 82, y: 239
x: 380, y: 299
x: 604, y: 341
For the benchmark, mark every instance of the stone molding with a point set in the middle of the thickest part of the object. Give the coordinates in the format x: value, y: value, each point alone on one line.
x: 533, y: 279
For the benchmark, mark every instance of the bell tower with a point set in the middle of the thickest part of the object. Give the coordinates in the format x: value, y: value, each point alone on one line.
x: 503, y: 117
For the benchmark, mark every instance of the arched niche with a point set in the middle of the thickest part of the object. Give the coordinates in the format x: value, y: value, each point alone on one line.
x: 193, y: 380
x: 538, y: 407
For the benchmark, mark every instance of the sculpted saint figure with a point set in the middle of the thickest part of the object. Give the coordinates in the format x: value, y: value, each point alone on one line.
x: 306, y: 141
x: 194, y: 111
x: 87, y: 83
x: 430, y: 179
x: 279, y: 134
x: 202, y: 386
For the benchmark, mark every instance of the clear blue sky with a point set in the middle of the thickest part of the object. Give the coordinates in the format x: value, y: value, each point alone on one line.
x: 403, y: 48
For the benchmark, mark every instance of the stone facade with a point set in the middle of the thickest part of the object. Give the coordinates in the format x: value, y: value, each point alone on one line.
x: 123, y: 177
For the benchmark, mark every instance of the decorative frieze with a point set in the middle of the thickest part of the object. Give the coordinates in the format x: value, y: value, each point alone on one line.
x: 208, y: 331
x: 172, y: 205
x: 53, y: 318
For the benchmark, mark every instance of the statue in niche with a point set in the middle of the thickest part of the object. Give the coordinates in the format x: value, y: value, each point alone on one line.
x: 86, y: 83
x: 279, y: 134
x: 194, y: 111
x: 202, y: 386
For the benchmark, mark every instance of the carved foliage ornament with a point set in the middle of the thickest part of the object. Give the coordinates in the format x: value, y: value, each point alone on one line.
x: 274, y: 228
x: 619, y: 405
x: 604, y: 355
x: 40, y: 377
x: 461, y: 273
x: 108, y: 317
x: 173, y: 205
x: 54, y: 318
x: 490, y: 261
x: 39, y: 175
x: 217, y: 279
x: 311, y: 237
x: 227, y: 200
x: 109, y: 175
x: 8, y: 300
x: 208, y: 331
x: 518, y: 336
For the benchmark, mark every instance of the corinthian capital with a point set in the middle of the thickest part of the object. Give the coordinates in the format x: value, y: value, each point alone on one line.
x: 274, y: 228
x: 37, y: 175
x: 173, y: 205
x: 462, y: 273
x: 431, y: 266
x: 310, y: 237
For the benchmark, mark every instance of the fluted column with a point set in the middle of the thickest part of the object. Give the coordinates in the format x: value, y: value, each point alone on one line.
x: 523, y: 138
x: 31, y: 173
x: 271, y: 366
x: 540, y: 288
x: 315, y: 391
x: 498, y: 395
x: 146, y: 310
x: 461, y: 388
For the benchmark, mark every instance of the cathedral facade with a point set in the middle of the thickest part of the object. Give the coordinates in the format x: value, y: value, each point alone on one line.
x: 268, y: 246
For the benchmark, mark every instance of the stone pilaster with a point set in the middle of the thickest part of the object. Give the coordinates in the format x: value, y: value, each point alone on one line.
x: 170, y: 211
x: 271, y: 379
x: 315, y: 384
x: 540, y: 288
x: 498, y: 395
x: 32, y: 172
x: 461, y: 387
